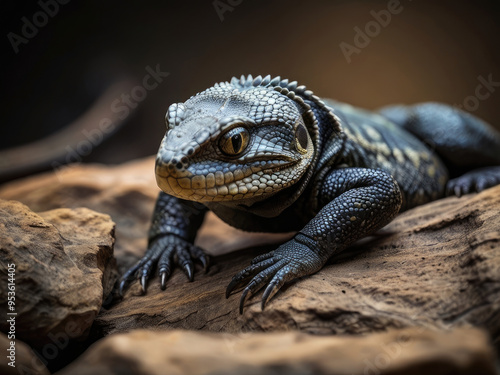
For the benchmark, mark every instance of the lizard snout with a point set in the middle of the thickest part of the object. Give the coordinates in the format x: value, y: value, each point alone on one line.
x: 171, y: 164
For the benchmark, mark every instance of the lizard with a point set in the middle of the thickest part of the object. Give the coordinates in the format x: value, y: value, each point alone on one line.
x: 266, y: 154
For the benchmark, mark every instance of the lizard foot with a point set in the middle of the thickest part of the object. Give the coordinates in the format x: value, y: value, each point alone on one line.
x: 291, y: 260
x: 166, y: 252
x: 476, y: 180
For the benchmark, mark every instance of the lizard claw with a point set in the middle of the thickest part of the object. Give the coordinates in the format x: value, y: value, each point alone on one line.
x: 199, y: 255
x: 241, y: 277
x: 243, y: 299
x: 144, y: 280
x: 127, y: 276
x: 163, y: 280
x: 274, y: 286
x: 165, y: 252
x: 205, y: 261
x: 291, y: 260
x: 188, y: 269
x: 260, y: 280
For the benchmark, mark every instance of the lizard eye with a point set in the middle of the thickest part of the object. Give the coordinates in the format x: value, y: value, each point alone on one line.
x: 301, y: 138
x: 234, y: 141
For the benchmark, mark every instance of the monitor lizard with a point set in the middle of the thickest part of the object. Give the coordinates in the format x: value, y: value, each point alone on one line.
x: 267, y: 155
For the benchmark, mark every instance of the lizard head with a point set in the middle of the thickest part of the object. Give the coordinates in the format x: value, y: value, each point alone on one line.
x: 246, y: 139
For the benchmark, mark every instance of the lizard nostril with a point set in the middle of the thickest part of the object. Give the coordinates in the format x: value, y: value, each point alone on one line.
x: 178, y: 133
x: 176, y: 165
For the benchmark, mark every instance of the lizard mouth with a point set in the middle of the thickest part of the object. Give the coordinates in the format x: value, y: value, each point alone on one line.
x: 248, y: 181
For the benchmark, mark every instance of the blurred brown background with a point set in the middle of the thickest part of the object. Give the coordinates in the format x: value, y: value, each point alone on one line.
x: 429, y: 50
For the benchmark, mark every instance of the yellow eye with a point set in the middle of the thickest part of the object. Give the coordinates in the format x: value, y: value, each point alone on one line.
x: 234, y: 141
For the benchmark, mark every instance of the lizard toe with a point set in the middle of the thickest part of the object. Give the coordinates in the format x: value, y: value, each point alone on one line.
x: 474, y: 181
x: 165, y: 253
x: 259, y: 281
x: 199, y: 255
x: 243, y: 276
x: 142, y: 269
x: 165, y: 268
x: 279, y: 279
x: 182, y: 258
x: 291, y: 260
x: 262, y: 257
x: 130, y: 274
x: 148, y: 266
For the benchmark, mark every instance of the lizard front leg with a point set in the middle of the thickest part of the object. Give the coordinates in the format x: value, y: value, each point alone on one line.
x: 355, y: 202
x: 171, y: 236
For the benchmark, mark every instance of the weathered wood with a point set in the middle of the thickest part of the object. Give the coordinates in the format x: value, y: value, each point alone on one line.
x: 437, y: 266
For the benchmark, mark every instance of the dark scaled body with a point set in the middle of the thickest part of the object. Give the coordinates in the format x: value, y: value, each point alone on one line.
x: 267, y: 155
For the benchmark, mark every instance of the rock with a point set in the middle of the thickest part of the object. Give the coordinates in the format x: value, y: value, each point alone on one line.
x: 127, y: 193
x: 24, y: 360
x: 62, y: 268
x: 408, y: 351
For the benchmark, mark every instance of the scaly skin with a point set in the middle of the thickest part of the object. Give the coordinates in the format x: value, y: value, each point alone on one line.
x: 267, y: 155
